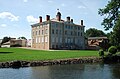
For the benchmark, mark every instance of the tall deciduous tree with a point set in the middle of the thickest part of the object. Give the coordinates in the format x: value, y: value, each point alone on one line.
x: 92, y: 32
x: 5, y: 39
x: 116, y: 34
x: 111, y: 14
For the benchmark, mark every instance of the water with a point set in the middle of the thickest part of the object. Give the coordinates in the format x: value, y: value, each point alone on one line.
x: 75, y: 71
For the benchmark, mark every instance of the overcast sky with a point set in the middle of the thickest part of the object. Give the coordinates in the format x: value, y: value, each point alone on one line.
x: 16, y: 16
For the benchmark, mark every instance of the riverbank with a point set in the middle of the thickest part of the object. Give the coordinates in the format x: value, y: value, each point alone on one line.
x: 17, y: 63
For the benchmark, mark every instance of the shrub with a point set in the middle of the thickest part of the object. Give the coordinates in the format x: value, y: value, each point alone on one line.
x: 118, y: 48
x: 112, y: 50
x: 101, y: 52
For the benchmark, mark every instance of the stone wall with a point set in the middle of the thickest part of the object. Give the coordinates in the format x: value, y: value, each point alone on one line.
x: 18, y: 64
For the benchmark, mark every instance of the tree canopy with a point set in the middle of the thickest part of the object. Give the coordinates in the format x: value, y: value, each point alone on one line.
x: 111, y: 14
x: 116, y: 34
x: 5, y: 39
x: 92, y: 32
x: 22, y: 37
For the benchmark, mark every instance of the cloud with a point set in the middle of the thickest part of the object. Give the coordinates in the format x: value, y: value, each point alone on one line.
x: 63, y: 5
x: 3, y: 25
x: 25, y: 0
x: 50, y: 1
x: 81, y: 7
x: 9, y: 16
x: 31, y: 19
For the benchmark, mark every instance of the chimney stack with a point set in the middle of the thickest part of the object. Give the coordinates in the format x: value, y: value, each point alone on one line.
x: 68, y: 18
x: 47, y: 17
x: 82, y: 22
x: 72, y: 20
x: 40, y: 19
x: 58, y: 16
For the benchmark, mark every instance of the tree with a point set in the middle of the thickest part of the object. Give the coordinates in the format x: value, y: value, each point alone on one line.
x: 116, y: 34
x: 92, y: 32
x: 5, y: 39
x: 112, y: 50
x: 111, y: 13
x: 101, y: 53
x: 112, y: 20
x: 22, y: 38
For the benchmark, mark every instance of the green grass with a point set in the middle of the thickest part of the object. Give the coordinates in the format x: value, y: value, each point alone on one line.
x: 9, y: 54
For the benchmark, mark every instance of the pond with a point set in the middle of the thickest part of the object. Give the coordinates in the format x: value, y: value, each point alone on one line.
x: 74, y: 71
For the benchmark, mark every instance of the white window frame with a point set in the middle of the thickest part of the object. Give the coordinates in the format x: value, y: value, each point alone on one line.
x: 42, y: 39
x: 46, y: 39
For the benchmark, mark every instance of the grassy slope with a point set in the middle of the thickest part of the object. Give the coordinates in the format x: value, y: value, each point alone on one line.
x: 9, y: 54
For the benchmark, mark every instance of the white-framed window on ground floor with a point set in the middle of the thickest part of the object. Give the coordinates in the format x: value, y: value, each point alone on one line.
x: 56, y: 39
x: 53, y: 39
x: 71, y: 40
x: 76, y: 41
x: 36, y: 40
x: 42, y: 39
x: 65, y: 40
x: 46, y: 39
x: 39, y: 39
x: 60, y: 40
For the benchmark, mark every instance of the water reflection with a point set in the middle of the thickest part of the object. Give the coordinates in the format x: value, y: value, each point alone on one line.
x: 67, y: 71
x: 115, y: 70
x: 9, y: 73
x: 40, y: 72
x: 97, y: 71
x: 76, y: 71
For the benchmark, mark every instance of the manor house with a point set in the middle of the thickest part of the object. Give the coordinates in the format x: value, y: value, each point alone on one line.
x: 57, y: 33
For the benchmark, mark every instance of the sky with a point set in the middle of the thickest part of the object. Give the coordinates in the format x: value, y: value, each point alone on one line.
x: 17, y: 16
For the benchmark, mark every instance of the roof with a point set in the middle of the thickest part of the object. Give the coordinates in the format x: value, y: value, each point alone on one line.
x: 55, y: 20
x: 97, y: 38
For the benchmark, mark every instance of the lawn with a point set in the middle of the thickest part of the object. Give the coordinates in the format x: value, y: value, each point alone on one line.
x: 9, y: 54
